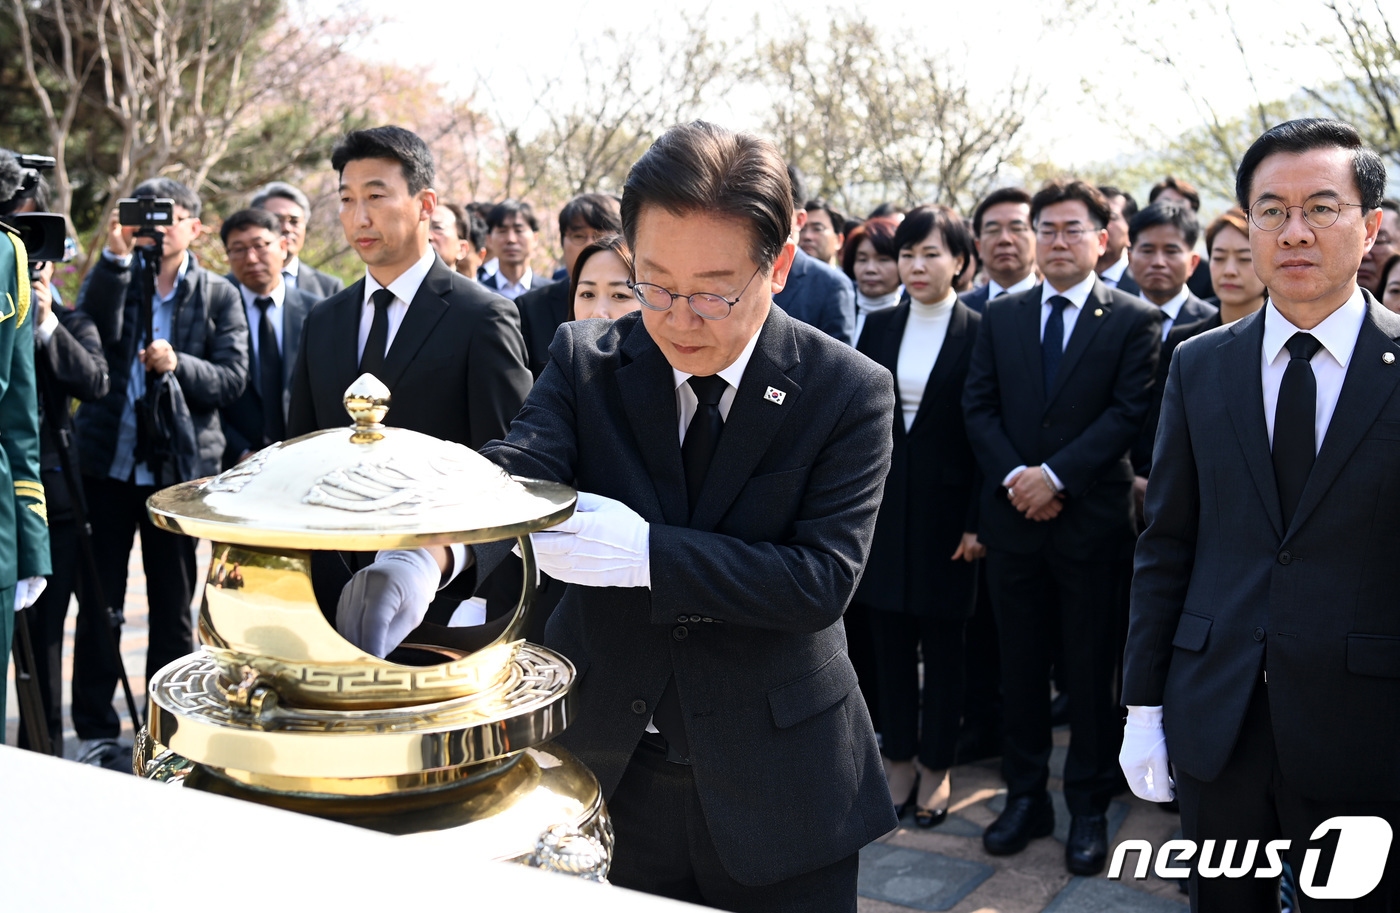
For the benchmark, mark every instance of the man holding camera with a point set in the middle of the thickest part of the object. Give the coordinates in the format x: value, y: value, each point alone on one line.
x: 200, y: 337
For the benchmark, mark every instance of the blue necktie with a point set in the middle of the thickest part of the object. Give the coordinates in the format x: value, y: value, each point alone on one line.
x: 1052, y: 342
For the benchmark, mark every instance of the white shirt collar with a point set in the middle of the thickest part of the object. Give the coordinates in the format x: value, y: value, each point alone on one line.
x: 1172, y: 307
x: 292, y: 267
x: 278, y: 295
x: 732, y: 374
x: 490, y: 266
x: 527, y: 280
x: 994, y: 288
x: 1115, y: 272
x: 1077, y: 294
x: 1337, y: 332
x: 406, y: 285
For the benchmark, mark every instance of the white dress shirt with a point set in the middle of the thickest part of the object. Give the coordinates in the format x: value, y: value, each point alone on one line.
x: 290, y: 270
x: 1337, y: 334
x: 1170, y: 310
x: 687, y: 401
x: 514, y: 290
x: 994, y: 289
x: 254, y: 314
x: 404, y: 288
x: 918, y: 351
x: 1114, y: 274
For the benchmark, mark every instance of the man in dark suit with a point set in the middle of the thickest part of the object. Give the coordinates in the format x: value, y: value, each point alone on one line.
x: 730, y: 461
x: 513, y: 230
x: 1059, y: 383
x: 816, y: 293
x: 1001, y: 229
x: 1174, y: 190
x: 1113, y: 268
x: 256, y: 252
x: 292, y: 207
x: 583, y: 220
x: 1263, y: 657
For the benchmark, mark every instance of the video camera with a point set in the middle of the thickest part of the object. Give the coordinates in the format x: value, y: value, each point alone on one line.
x: 44, y: 234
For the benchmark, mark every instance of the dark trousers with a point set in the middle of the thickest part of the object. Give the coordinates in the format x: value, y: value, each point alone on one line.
x: 117, y: 510
x: 46, y: 617
x: 919, y: 724
x: 1023, y: 586
x: 982, y: 662
x: 664, y: 848
x: 1252, y: 800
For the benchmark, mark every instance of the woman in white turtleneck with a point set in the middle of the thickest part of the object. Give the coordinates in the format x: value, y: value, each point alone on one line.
x: 869, y: 260
x: 920, y: 585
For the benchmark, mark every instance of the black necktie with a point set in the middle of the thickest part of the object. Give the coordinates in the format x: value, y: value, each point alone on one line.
x: 372, y: 360
x: 1052, y: 342
x: 269, y: 375
x: 702, y: 434
x: 997, y: 294
x: 1295, y: 423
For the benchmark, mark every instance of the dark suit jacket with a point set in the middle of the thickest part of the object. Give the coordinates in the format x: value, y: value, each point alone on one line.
x: 1083, y: 427
x: 1127, y: 284
x: 243, y: 418
x: 747, y: 595
x: 1222, y: 591
x: 931, y: 492
x: 316, y: 284
x: 821, y: 295
x: 977, y: 298
x: 542, y: 309
x: 456, y: 367
x: 1194, y: 312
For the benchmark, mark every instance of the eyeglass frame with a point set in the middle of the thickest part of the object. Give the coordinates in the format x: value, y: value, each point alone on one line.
x: 240, y: 253
x: 1288, y: 213
x: 633, y: 285
x: 1078, y: 233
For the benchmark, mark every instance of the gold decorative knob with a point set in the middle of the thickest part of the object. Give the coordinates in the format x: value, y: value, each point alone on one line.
x: 367, y: 401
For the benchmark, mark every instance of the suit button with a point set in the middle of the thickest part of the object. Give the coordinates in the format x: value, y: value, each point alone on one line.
x: 1285, y: 556
x: 680, y: 618
x: 707, y: 619
x: 639, y: 707
x: 680, y: 632
x: 1258, y: 633
x: 694, y: 618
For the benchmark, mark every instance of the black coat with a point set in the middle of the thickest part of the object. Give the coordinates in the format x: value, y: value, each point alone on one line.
x: 1194, y: 314
x: 931, y: 491
x: 542, y: 309
x: 316, y: 284
x: 69, y: 366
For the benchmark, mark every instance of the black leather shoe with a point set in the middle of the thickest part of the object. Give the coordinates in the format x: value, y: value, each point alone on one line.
x: 902, y: 807
x: 1087, y: 847
x: 1025, y: 818
x: 930, y: 817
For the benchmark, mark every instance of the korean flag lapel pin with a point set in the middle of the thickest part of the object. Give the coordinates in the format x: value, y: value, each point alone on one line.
x: 774, y: 396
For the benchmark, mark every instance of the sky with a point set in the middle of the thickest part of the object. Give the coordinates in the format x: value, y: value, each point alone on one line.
x: 1103, y: 97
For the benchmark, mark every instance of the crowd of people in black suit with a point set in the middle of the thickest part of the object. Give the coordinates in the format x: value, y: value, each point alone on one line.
x: 1028, y: 344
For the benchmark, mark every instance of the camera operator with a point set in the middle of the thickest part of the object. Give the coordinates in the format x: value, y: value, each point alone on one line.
x: 24, y: 529
x: 200, y: 337
x: 68, y: 364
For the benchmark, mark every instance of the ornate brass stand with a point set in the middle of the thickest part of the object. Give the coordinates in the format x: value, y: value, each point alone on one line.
x: 438, y: 740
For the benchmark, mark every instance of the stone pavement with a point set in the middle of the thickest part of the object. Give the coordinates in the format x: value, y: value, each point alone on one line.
x: 944, y: 868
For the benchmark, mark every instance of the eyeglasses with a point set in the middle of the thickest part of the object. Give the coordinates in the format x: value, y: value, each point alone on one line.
x: 1072, y: 233
x: 711, y: 307
x: 993, y: 230
x: 1318, y: 212
x: 238, y: 251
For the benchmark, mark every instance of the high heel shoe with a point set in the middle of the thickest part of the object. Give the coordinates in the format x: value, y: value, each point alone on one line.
x: 932, y: 817
x: 911, y: 801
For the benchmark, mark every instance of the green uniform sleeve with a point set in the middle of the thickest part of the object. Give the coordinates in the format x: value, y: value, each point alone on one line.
x: 19, y: 421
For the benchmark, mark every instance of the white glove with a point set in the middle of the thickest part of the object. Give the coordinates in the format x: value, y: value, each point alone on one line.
x: 386, y: 600
x: 28, y: 591
x: 1144, y: 755
x: 605, y: 543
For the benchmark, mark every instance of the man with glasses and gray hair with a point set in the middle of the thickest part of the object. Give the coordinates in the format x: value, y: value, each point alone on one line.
x: 292, y: 207
x: 1262, y: 673
x: 730, y: 461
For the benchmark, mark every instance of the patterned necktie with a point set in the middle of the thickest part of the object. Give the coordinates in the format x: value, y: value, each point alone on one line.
x: 702, y: 434
x: 1052, y: 342
x: 1295, y: 424
x: 269, y: 375
x: 372, y: 361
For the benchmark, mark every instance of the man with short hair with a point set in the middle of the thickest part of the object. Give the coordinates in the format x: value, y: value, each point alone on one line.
x: 1001, y: 229
x: 1058, y: 386
x: 1260, y: 673
x: 824, y: 231
x: 513, y: 229
x: 816, y: 292
x: 730, y: 462
x: 1173, y: 189
x: 290, y: 205
x: 201, y: 339
x: 1113, y: 265
x: 257, y: 251
x: 583, y: 220
x: 1387, y: 245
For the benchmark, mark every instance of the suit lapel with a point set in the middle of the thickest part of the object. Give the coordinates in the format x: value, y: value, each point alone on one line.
x: 422, y: 316
x: 753, y: 422
x: 346, y: 323
x: 648, y: 392
x: 1369, y: 383
x: 1097, y: 308
x: 953, y: 344
x: 1028, y: 330
x: 1244, y: 395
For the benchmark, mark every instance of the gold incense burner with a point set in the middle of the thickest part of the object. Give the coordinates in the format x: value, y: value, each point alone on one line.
x: 446, y: 738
